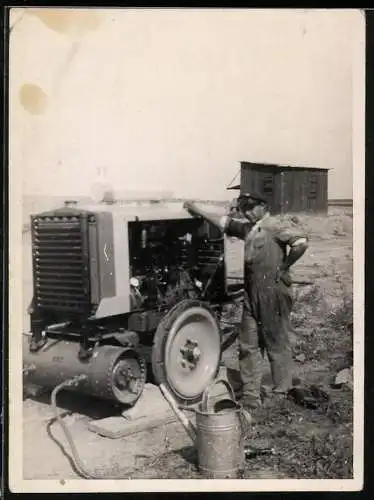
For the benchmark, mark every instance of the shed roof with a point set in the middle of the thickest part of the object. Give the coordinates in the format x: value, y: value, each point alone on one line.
x: 279, y: 166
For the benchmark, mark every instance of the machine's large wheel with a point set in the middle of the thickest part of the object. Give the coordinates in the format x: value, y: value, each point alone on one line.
x: 186, y: 351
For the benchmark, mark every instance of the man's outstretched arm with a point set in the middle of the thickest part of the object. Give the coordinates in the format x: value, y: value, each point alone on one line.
x: 219, y: 221
x: 237, y: 228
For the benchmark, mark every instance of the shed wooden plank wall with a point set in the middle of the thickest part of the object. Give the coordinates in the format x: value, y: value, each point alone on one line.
x: 263, y: 181
x: 288, y: 189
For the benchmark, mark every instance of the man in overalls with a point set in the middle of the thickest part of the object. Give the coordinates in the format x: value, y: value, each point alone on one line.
x: 269, y: 252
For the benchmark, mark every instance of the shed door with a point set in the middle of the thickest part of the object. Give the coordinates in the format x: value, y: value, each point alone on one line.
x: 262, y: 181
x: 312, y: 192
x: 269, y: 189
x: 268, y: 186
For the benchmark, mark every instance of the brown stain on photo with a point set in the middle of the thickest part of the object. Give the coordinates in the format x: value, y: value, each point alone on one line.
x: 71, y: 22
x: 33, y: 98
x: 68, y: 21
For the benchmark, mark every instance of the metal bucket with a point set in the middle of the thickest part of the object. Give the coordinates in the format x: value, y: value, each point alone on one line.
x: 220, y: 432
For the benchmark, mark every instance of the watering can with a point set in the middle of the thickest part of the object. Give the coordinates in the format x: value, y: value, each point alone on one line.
x: 219, y: 433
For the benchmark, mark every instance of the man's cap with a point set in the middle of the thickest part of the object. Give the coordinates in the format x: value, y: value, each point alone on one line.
x: 251, y: 197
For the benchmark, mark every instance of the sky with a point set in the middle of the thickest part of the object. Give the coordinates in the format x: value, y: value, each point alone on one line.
x: 173, y: 100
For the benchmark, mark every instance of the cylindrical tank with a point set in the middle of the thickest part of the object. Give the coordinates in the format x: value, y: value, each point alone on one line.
x: 114, y: 373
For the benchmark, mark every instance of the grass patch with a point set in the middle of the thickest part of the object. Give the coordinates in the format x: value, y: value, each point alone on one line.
x: 313, y: 444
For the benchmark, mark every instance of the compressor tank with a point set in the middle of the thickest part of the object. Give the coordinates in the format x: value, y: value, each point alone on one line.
x: 113, y: 373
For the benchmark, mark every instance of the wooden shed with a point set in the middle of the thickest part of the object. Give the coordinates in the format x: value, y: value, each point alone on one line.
x: 287, y: 189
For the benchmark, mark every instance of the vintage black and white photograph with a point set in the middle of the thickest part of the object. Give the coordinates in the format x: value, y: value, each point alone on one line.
x: 186, y: 249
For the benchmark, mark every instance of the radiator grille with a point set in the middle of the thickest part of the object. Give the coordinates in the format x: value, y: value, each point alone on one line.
x: 61, y: 265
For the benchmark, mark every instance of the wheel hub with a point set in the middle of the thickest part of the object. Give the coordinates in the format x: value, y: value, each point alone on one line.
x: 124, y: 376
x: 128, y: 378
x: 190, y: 354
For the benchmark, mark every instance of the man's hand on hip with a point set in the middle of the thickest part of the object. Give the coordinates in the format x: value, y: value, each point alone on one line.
x: 284, y: 277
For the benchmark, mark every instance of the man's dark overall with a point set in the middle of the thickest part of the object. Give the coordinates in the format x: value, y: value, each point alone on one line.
x: 267, y: 306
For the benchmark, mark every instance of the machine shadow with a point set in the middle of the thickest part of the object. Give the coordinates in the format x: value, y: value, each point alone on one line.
x: 72, y: 402
x: 87, y: 405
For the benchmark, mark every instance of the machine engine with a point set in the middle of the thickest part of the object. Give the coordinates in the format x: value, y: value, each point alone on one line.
x: 107, y: 279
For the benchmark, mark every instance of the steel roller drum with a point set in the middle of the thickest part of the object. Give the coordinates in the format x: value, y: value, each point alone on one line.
x: 113, y: 373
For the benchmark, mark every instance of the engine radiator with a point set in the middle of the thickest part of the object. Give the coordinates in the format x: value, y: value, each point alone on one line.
x: 61, y: 263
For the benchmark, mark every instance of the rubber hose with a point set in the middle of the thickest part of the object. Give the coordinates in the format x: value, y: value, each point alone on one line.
x: 80, y: 467
x: 78, y: 463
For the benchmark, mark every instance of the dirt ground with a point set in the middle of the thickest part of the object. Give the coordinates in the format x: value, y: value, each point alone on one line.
x: 309, y: 443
